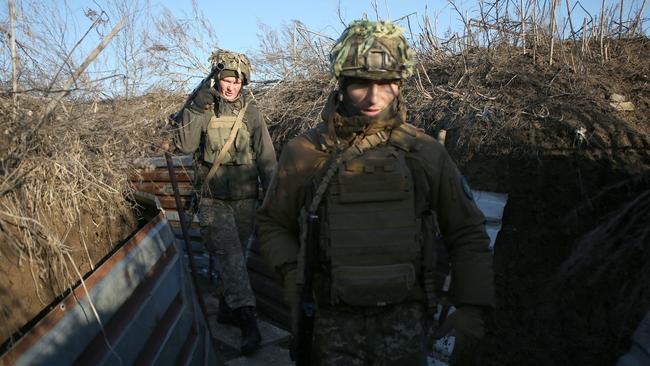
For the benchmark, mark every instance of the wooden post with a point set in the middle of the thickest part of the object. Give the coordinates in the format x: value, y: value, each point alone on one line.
x: 553, y: 9
x: 602, y: 32
x: 14, y: 58
x: 522, y: 20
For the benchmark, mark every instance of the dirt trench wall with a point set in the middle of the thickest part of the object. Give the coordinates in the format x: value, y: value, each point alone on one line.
x: 544, y: 315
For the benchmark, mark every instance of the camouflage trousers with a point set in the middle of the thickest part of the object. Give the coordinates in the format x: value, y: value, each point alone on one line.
x: 377, y: 337
x: 226, y: 227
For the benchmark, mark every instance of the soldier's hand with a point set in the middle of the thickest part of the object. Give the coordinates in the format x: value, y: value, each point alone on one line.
x: 166, y: 146
x: 468, y: 327
x: 205, y: 97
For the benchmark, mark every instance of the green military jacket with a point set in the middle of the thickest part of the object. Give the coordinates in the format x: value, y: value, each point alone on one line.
x: 251, y: 160
x: 438, y: 187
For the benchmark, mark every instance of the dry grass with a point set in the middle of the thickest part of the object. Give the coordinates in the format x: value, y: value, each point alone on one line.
x: 64, y: 195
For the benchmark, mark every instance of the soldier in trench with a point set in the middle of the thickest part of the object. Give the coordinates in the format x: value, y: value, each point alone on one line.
x: 234, y: 156
x: 376, y: 184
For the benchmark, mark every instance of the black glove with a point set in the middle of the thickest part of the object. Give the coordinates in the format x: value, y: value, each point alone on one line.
x: 204, y: 98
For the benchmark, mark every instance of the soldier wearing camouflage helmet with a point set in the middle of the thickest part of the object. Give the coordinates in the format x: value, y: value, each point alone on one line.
x: 234, y: 155
x: 378, y: 186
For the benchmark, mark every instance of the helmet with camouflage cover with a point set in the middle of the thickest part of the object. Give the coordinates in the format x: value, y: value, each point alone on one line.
x: 372, y: 50
x: 233, y: 61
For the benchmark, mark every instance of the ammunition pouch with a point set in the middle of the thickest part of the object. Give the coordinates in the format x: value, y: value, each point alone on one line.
x: 373, y: 285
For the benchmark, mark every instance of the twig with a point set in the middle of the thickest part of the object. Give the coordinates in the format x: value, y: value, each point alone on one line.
x: 65, y: 61
x: 14, y: 58
x: 91, y: 57
x: 638, y: 18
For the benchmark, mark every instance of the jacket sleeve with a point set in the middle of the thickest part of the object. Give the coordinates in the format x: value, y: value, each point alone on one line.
x: 263, y: 147
x: 463, y: 227
x: 277, y: 218
x: 187, y: 136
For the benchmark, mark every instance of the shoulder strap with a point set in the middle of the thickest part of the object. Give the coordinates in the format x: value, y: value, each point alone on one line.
x: 404, y: 137
x: 356, y: 149
x: 231, y: 138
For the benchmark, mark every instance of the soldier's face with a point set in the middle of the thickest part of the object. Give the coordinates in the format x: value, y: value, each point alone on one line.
x: 229, y: 87
x: 371, y: 97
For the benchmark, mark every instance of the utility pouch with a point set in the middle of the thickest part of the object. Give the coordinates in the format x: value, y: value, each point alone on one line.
x: 217, y: 135
x: 372, y: 285
x: 243, y: 148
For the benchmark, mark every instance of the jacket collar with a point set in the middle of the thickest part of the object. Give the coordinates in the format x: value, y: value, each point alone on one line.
x: 341, y: 125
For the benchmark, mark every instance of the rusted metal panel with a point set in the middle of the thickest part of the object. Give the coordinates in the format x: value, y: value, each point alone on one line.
x: 145, y: 302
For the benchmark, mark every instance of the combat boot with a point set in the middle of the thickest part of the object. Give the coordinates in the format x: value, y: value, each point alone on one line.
x: 250, y: 333
x: 225, y: 314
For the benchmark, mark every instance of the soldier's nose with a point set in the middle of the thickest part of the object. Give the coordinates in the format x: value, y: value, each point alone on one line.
x: 372, y: 93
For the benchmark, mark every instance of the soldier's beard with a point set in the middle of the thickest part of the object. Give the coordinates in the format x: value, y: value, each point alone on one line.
x: 349, y: 122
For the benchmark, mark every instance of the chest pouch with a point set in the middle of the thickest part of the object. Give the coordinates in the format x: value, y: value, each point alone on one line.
x: 372, y: 233
x: 241, y: 152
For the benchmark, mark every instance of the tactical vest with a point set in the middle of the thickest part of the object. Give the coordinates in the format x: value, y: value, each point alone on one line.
x: 218, y: 130
x: 370, y: 235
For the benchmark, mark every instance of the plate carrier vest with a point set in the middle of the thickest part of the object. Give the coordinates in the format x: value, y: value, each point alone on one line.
x: 218, y: 131
x: 370, y: 247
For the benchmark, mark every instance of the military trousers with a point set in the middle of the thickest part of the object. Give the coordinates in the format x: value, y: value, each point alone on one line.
x: 371, y: 337
x: 226, y: 227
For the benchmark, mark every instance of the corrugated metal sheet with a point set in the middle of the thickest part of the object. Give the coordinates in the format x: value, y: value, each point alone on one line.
x: 144, y: 299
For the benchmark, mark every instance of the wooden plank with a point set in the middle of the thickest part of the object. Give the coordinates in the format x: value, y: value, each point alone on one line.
x: 163, y: 188
x: 162, y: 175
x: 169, y: 202
x: 267, y: 288
x: 160, y: 162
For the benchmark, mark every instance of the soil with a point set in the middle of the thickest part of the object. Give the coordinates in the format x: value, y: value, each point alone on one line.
x: 30, y: 289
x: 571, y: 259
